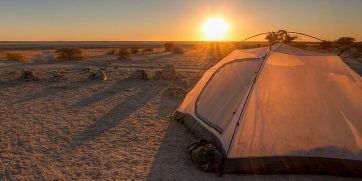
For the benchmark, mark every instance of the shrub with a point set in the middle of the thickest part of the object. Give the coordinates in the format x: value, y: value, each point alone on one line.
x: 272, y: 37
x: 134, y: 50
x: 69, y: 54
x: 288, y: 38
x: 123, y: 54
x: 148, y: 49
x: 111, y: 52
x: 177, y: 50
x: 15, y: 57
x: 280, y: 36
x: 345, y: 41
x: 169, y: 46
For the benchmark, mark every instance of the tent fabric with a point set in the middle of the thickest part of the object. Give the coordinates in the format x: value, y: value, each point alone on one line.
x: 293, y: 96
x: 187, y: 108
x: 218, y: 111
x: 304, y: 111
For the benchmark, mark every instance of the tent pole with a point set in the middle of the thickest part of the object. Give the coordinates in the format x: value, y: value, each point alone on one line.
x: 248, y: 97
x: 293, y: 32
x: 253, y: 36
x: 310, y: 36
x: 298, y: 33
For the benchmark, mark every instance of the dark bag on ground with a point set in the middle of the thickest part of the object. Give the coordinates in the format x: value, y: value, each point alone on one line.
x: 205, y: 155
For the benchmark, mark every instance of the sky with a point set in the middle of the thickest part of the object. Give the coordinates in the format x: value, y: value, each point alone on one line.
x: 173, y: 20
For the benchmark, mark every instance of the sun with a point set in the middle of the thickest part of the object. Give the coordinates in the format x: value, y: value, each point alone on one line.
x: 215, y: 29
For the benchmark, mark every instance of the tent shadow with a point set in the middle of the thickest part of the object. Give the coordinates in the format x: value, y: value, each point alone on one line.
x: 171, y: 161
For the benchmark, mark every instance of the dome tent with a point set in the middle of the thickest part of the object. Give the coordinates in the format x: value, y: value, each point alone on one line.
x: 279, y: 109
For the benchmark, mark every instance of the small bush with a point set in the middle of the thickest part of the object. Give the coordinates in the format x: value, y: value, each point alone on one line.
x: 148, y: 49
x: 169, y: 46
x: 123, y: 54
x: 111, y: 52
x: 15, y: 57
x: 134, y: 50
x: 177, y: 50
x: 345, y: 41
x: 69, y: 54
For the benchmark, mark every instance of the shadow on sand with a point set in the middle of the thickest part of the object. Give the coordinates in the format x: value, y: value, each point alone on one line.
x: 108, y: 92
x: 171, y: 161
x: 56, y: 89
x: 118, y: 113
x: 10, y: 84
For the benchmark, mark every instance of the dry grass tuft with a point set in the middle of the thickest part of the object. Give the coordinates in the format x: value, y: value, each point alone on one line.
x: 148, y: 49
x: 15, y: 57
x: 124, y: 54
x: 177, y: 50
x: 111, y: 52
x: 134, y: 50
x: 169, y: 46
x: 69, y: 54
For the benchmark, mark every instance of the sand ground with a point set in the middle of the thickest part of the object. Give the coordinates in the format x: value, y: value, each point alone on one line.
x: 80, y: 129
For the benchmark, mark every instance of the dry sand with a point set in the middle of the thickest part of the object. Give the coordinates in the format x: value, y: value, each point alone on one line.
x: 101, y: 130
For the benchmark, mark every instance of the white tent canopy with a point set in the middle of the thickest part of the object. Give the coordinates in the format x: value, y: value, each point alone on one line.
x: 279, y: 110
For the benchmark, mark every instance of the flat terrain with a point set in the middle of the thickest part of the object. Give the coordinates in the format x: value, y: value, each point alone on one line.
x: 76, y: 128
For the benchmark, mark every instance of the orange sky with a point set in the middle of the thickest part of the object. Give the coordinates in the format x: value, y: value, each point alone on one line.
x: 158, y: 20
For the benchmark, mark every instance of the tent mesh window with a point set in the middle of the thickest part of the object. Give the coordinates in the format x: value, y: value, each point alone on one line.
x: 220, y: 98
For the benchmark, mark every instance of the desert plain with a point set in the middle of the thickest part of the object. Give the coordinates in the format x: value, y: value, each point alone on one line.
x: 70, y: 127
